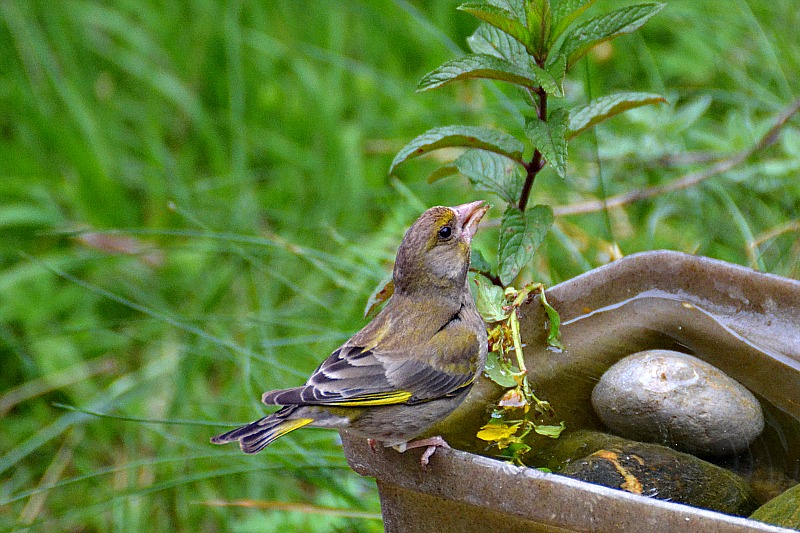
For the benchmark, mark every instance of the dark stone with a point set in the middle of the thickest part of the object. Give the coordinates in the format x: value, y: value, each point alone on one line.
x: 650, y: 470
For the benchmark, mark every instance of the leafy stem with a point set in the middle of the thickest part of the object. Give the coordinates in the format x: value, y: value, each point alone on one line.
x: 519, y: 411
x: 531, y: 44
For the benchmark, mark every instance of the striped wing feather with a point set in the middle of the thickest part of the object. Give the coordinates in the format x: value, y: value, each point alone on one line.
x: 353, y: 376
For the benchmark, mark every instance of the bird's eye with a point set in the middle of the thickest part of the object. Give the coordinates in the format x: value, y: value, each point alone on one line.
x: 445, y: 233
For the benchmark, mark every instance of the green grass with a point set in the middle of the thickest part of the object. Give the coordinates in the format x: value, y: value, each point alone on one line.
x: 231, y: 159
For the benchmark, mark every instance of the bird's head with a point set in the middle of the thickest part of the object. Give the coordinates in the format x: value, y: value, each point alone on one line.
x: 434, y: 254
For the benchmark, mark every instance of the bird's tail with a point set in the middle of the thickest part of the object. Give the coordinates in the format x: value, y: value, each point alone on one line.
x: 257, y: 435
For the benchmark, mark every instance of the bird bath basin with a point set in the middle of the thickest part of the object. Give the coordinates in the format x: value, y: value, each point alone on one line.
x: 743, y: 322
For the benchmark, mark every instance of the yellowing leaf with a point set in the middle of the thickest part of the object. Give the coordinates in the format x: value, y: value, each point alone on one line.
x: 493, y: 432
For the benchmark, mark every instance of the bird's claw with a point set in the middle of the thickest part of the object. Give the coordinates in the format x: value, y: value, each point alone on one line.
x: 430, y: 445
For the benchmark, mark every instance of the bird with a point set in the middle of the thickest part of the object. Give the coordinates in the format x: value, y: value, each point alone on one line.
x: 408, y: 368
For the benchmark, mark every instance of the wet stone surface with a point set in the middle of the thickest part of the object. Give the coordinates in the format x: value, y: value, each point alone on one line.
x: 653, y: 470
x: 677, y: 400
x: 784, y: 510
x: 647, y: 469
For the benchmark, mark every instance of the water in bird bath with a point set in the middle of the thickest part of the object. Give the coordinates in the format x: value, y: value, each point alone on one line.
x: 597, y: 338
x: 656, y: 320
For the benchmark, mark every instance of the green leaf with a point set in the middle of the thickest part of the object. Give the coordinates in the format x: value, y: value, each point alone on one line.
x: 466, y: 136
x: 550, y: 431
x: 557, y: 68
x: 443, y: 172
x: 553, y: 80
x: 520, y: 237
x: 515, y: 7
x: 605, y: 107
x: 501, y: 19
x: 554, y: 335
x: 491, y: 41
x: 490, y: 300
x: 540, y: 19
x: 516, y: 450
x: 564, y: 13
x: 493, y: 173
x: 550, y: 139
x: 497, y: 371
x: 478, y: 66
x: 589, y: 34
x: 547, y: 81
x: 478, y: 263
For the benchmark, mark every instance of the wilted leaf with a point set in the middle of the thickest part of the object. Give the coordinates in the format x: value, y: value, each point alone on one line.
x: 564, y: 13
x: 466, y: 136
x: 478, y: 66
x: 605, y: 107
x: 493, y: 431
x: 112, y: 243
x: 520, y: 236
x: 550, y: 139
x: 550, y: 431
x: 382, y: 292
x: 489, y: 300
x: 491, y: 172
x: 513, y: 399
x: 589, y: 34
x: 501, y: 19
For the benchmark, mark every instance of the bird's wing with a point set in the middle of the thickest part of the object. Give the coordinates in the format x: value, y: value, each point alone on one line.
x: 356, y: 377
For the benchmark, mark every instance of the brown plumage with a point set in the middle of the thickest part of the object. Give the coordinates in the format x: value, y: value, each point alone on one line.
x: 408, y: 368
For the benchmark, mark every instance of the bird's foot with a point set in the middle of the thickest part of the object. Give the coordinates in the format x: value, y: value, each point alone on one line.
x: 431, y: 443
x: 372, y: 443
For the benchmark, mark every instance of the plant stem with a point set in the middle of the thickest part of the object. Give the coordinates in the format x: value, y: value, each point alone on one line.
x: 537, y: 162
x: 491, y: 277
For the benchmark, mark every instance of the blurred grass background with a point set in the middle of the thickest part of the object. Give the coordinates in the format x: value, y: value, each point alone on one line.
x: 194, y: 208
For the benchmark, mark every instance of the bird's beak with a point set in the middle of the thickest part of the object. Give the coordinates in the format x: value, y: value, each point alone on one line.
x: 469, y: 215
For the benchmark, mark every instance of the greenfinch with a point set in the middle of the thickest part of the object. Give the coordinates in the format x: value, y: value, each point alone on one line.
x: 412, y: 365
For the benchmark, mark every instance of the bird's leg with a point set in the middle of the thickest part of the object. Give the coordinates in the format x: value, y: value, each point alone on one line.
x: 431, y: 443
x: 372, y: 443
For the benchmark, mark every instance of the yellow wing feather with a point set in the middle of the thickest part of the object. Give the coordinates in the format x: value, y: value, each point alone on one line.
x: 381, y: 398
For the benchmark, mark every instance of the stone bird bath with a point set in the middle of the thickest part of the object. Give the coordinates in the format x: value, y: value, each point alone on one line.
x: 744, y: 322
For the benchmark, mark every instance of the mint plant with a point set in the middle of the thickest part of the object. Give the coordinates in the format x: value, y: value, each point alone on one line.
x: 532, y: 44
